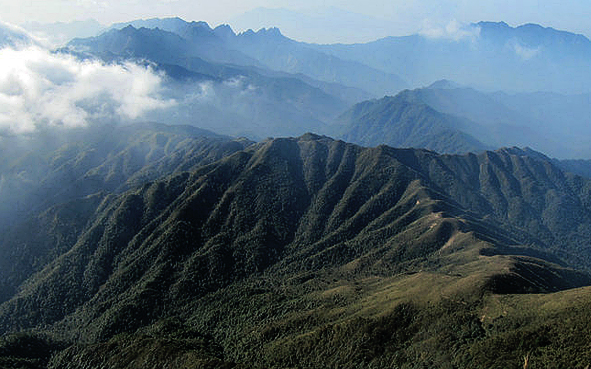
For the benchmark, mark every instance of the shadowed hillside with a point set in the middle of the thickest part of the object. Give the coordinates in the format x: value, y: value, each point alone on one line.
x: 55, y: 184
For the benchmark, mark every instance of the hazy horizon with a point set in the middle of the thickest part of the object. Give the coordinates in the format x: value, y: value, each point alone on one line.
x: 322, y: 22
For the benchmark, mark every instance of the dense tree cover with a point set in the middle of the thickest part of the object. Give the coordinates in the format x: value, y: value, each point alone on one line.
x: 311, y: 252
x: 404, y: 121
x: 55, y: 184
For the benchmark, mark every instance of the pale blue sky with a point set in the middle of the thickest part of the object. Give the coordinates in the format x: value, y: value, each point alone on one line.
x: 401, y: 16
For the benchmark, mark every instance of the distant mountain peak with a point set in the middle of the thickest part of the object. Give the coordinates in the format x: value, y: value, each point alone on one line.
x: 532, y: 32
x: 534, y: 26
x: 167, y: 24
x: 444, y: 84
x: 200, y: 24
x: 268, y: 33
x: 224, y: 31
x: 405, y: 120
x: 272, y: 31
x: 493, y: 24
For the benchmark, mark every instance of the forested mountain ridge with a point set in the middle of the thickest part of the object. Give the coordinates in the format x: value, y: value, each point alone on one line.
x: 306, y: 215
x: 449, y: 118
x: 401, y: 121
x: 55, y: 184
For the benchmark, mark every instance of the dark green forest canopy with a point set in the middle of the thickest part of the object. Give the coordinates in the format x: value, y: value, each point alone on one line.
x: 301, y: 252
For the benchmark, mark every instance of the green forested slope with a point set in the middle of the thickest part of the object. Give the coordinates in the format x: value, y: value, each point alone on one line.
x: 401, y: 121
x: 312, y: 252
x: 55, y: 185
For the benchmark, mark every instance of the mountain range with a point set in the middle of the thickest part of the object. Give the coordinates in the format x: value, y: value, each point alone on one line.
x: 491, y: 56
x: 265, y: 84
x: 235, y: 100
x: 450, y: 118
x: 408, y: 240
x: 256, y: 256
x: 269, y: 48
x: 487, y: 55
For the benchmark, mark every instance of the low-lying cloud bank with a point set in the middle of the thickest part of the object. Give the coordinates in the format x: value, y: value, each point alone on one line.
x: 40, y: 88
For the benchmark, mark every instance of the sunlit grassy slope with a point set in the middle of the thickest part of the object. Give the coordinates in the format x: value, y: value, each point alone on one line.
x: 422, y: 320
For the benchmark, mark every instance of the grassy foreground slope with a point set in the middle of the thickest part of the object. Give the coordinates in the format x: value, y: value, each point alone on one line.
x: 389, y: 327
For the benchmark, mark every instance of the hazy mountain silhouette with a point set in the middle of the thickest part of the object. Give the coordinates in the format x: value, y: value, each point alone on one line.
x: 497, y: 119
x: 488, y: 55
x: 326, y: 25
x: 234, y: 100
x: 278, y: 52
x: 59, y: 33
x: 563, y: 119
x: 269, y: 48
x: 13, y: 36
x: 552, y: 123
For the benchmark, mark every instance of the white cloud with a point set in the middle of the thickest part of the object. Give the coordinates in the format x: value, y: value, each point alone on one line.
x: 524, y: 52
x: 39, y: 88
x: 240, y: 84
x: 453, y: 30
x: 15, y: 36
